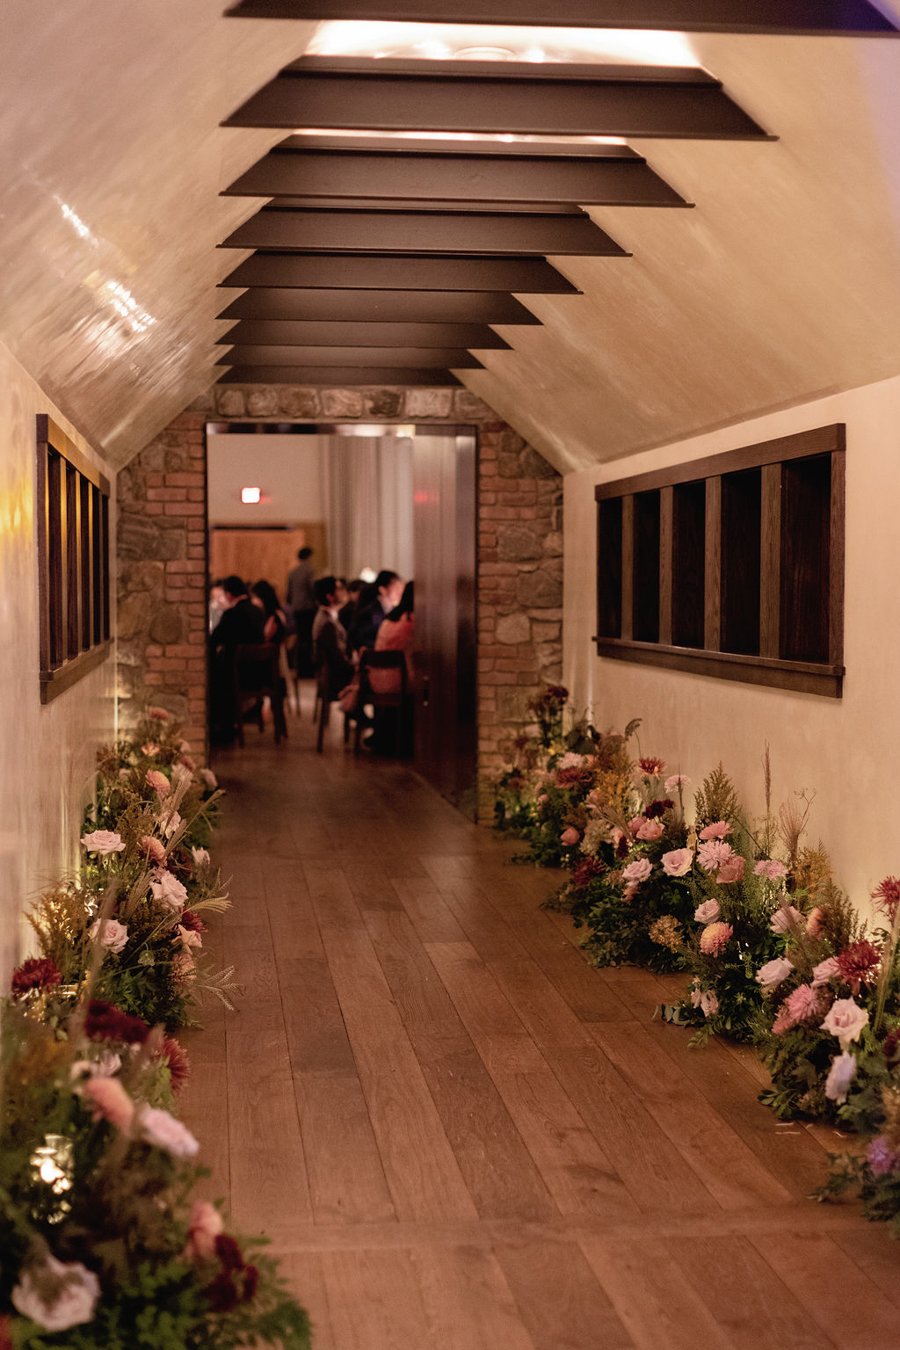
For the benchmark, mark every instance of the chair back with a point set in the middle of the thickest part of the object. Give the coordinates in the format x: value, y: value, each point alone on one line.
x: 390, y: 693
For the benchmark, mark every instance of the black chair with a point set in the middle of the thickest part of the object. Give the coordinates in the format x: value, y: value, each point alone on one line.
x: 322, y: 709
x: 397, y: 697
x: 257, y: 675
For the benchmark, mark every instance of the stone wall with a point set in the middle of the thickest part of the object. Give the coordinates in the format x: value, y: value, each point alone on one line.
x: 162, y: 552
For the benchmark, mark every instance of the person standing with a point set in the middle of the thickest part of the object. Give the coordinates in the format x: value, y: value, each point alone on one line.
x: 301, y: 600
x: 241, y: 623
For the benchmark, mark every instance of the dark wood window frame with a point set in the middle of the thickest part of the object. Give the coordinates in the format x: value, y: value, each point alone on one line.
x: 73, y: 561
x: 750, y: 548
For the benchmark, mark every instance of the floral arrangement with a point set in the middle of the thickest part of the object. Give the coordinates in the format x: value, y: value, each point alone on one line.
x: 104, y: 1241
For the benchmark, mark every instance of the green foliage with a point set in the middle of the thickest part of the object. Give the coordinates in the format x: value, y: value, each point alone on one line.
x: 716, y: 799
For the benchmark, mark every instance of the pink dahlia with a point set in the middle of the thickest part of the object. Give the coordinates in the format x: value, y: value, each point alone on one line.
x: 803, y: 1005
x: 715, y: 938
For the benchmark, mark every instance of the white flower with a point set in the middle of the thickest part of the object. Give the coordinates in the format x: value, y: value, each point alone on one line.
x: 200, y: 857
x: 209, y: 779
x: 677, y: 780
x: 189, y: 938
x: 773, y: 972
x: 57, y: 1295
x: 174, y: 822
x: 845, y: 1020
x: 785, y: 918
x: 161, y: 1129
x: 169, y: 890
x: 708, y: 912
x: 106, y: 1066
x: 114, y: 934
x: 709, y: 1003
x: 840, y: 1076
x: 103, y: 842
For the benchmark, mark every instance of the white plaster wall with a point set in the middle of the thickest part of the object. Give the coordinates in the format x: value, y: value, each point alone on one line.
x: 46, y: 752
x: 287, y: 468
x: 848, y: 750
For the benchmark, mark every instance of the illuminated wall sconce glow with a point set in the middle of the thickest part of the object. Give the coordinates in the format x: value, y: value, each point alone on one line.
x: 251, y: 496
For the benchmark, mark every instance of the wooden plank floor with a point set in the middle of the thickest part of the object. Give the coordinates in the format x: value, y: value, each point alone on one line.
x: 457, y: 1134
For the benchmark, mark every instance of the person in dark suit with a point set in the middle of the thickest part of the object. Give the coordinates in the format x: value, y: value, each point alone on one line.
x: 242, y: 622
x: 383, y: 596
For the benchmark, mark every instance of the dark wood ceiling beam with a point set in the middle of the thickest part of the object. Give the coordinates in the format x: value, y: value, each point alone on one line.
x: 810, y: 17
x: 468, y: 335
x: 453, y: 358
x: 424, y: 232
x: 465, y: 179
x: 420, y: 307
x: 338, y: 375
x: 497, y: 97
x: 390, y: 272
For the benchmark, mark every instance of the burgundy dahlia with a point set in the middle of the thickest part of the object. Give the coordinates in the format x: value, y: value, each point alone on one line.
x: 229, y: 1253
x: 192, y: 921
x: 175, y: 1055
x: 887, y: 896
x: 857, y: 963
x: 576, y: 776
x: 658, y: 808
x: 652, y: 765
x: 41, y: 972
x: 623, y: 847
x: 222, y: 1293
x: 585, y: 872
x: 105, y: 1022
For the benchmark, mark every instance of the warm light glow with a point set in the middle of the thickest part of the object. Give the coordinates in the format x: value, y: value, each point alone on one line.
x: 368, y: 575
x: 251, y: 496
x: 480, y: 42
x: 354, y: 133
x: 110, y: 291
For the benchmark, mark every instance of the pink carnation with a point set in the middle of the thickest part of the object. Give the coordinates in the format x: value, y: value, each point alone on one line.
x: 717, y: 830
x: 159, y: 782
x: 804, y: 1004
x: 715, y: 938
x: 637, y: 871
x: 770, y: 868
x: 677, y: 780
x: 154, y: 849
x: 713, y: 854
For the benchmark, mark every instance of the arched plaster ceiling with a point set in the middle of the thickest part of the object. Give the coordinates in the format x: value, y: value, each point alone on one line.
x: 782, y: 284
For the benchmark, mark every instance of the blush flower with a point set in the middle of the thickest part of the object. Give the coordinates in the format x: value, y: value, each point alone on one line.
x: 162, y: 1130
x: 770, y: 868
x: 713, y: 854
x: 206, y: 1225
x: 826, y: 970
x: 200, y: 857
x: 159, y: 783
x: 153, y: 849
x: 708, y: 912
x: 677, y: 781
x: 173, y: 823
x: 786, y: 918
x: 678, y: 862
x: 648, y: 830
x: 103, y: 842
x: 113, y: 935
x: 773, y: 972
x: 169, y: 891
x: 715, y: 938
x: 731, y: 870
x: 637, y: 872
x: 814, y: 922
x: 802, y: 1005
x: 189, y: 937
x: 150, y: 749
x: 709, y: 1003
x: 569, y: 837
x: 840, y: 1076
x: 717, y: 830
x: 845, y: 1020
x: 109, y: 1100
x: 57, y: 1295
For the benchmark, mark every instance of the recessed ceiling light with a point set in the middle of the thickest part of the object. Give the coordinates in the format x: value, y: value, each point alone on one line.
x: 251, y: 496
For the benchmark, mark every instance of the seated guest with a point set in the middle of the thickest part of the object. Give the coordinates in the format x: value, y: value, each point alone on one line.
x: 265, y: 597
x: 383, y: 596
x: 329, y: 639
x: 395, y: 634
x: 241, y: 623
x: 354, y: 590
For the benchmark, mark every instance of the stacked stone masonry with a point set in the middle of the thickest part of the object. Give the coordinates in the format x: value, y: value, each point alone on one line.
x: 163, y: 558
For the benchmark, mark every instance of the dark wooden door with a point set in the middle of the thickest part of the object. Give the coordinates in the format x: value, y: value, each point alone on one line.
x: 446, y: 708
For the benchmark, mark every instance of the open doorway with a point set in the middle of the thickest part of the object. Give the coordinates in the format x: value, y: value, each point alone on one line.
x: 363, y: 498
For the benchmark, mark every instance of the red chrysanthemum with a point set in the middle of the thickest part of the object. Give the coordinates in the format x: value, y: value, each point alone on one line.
x: 41, y: 972
x: 887, y: 896
x: 192, y: 921
x: 651, y: 765
x: 658, y: 808
x: 105, y: 1022
x: 178, y: 1060
x: 574, y: 776
x: 585, y: 872
x: 857, y: 963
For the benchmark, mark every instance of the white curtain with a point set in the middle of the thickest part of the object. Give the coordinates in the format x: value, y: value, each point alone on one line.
x: 368, y: 483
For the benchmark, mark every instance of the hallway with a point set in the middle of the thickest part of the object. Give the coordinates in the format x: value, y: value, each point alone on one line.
x: 454, y: 1131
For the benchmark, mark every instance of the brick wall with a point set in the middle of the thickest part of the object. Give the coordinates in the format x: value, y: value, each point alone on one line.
x: 162, y: 553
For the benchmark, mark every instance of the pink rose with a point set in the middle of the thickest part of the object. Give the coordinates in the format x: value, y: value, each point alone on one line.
x: 785, y: 918
x: 154, y: 849
x: 731, y: 870
x: 770, y: 868
x: 715, y: 938
x: 159, y: 782
x: 110, y: 1101
x: 826, y: 970
x: 162, y: 1130
x: 635, y: 824
x: 773, y: 972
x: 114, y: 935
x: 57, y: 1295
x: 840, y: 1076
x: 569, y: 836
x: 845, y: 1020
x: 678, y: 862
x: 637, y: 871
x: 648, y: 830
x: 206, y: 1225
x: 708, y: 912
x: 717, y: 830
x: 103, y: 842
